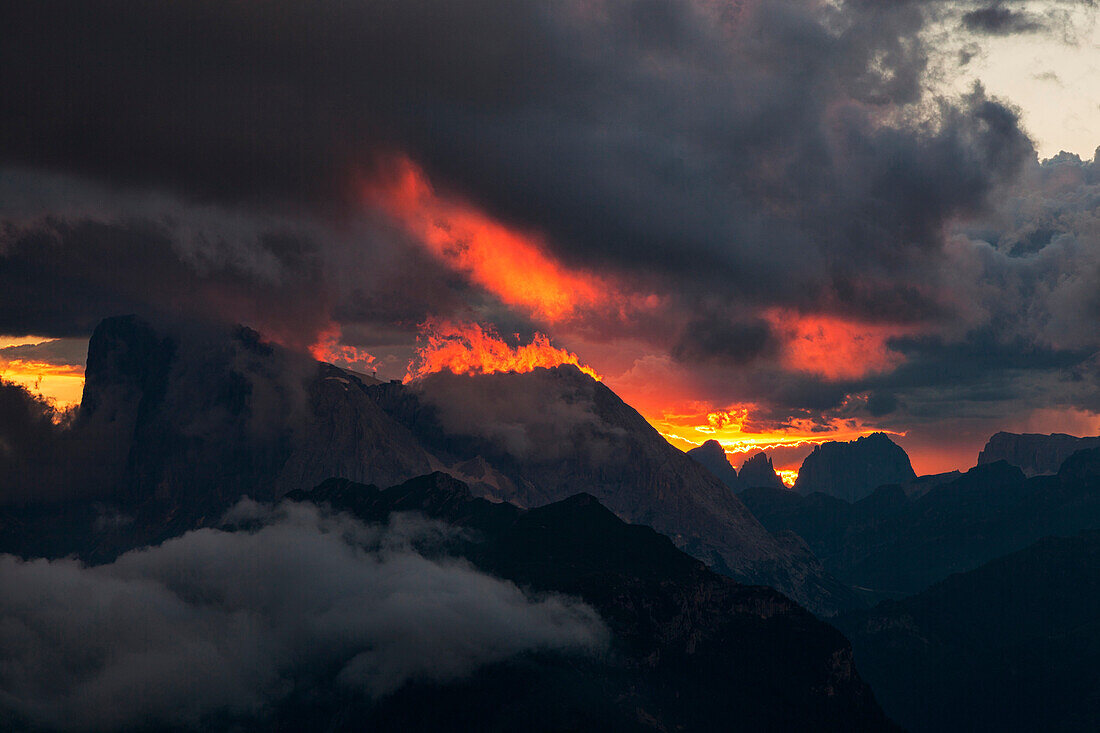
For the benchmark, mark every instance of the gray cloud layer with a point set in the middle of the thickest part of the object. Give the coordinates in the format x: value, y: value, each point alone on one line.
x: 218, y: 622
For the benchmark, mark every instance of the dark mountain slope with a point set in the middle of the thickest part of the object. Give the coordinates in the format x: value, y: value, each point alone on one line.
x: 690, y: 650
x: 1011, y: 646
x: 178, y: 423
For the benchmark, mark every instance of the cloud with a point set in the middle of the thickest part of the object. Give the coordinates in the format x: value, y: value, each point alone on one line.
x: 997, y: 20
x: 229, y: 623
x: 534, y: 416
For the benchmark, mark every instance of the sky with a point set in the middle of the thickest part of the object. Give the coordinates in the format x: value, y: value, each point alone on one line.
x: 766, y: 223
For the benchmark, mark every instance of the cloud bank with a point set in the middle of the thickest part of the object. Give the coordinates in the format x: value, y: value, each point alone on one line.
x: 228, y: 623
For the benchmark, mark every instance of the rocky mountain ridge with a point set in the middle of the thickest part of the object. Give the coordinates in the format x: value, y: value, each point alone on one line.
x: 1034, y: 454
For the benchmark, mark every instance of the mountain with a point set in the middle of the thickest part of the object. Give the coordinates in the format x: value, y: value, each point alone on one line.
x: 851, y: 471
x: 712, y: 456
x: 1010, y: 646
x: 552, y: 432
x: 757, y: 470
x: 897, y: 541
x: 689, y: 649
x: 1032, y: 453
x: 178, y: 422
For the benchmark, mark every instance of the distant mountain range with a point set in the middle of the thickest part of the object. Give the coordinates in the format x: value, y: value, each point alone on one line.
x: 896, y: 542
x: 756, y: 470
x: 1034, y: 454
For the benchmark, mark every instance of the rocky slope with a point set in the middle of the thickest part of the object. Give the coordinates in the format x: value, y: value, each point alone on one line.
x: 553, y: 431
x: 1032, y: 453
x: 712, y: 456
x: 177, y: 423
x: 851, y: 471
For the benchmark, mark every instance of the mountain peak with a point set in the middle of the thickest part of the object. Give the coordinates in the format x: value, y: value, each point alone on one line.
x: 757, y: 471
x: 1034, y: 453
x: 852, y: 470
x: 712, y: 456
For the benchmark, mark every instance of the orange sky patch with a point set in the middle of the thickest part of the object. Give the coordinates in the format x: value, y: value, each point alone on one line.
x: 835, y: 348
x: 512, y: 264
x: 62, y: 384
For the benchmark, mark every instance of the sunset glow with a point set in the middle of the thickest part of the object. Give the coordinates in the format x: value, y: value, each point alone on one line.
x: 468, y: 348
x: 328, y: 348
x: 733, y: 429
x: 62, y: 384
x: 510, y: 263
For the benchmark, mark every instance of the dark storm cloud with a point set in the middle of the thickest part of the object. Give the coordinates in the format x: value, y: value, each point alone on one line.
x: 726, y: 340
x: 60, y: 277
x: 230, y: 623
x: 73, y: 252
x: 728, y: 157
x: 998, y: 20
x: 721, y: 147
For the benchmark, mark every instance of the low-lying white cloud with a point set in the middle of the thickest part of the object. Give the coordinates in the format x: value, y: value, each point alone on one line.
x: 221, y: 622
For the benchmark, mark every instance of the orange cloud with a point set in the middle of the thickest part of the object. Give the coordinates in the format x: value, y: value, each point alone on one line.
x: 328, y: 348
x: 510, y: 263
x: 835, y: 348
x: 468, y: 348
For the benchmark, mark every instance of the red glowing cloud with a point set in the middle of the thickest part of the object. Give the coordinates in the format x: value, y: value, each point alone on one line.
x: 468, y: 348
x: 328, y: 348
x: 835, y: 348
x: 512, y: 264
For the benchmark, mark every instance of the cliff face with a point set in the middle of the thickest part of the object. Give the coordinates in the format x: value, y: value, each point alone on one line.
x: 712, y: 457
x: 1033, y: 453
x: 851, y: 471
x: 758, y: 471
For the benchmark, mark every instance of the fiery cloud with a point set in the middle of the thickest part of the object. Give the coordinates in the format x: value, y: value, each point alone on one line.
x: 468, y: 348
x: 329, y: 348
x: 512, y: 264
x: 834, y: 348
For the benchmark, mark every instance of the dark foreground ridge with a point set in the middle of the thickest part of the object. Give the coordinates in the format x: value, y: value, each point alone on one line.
x: 1009, y: 647
x: 690, y: 649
